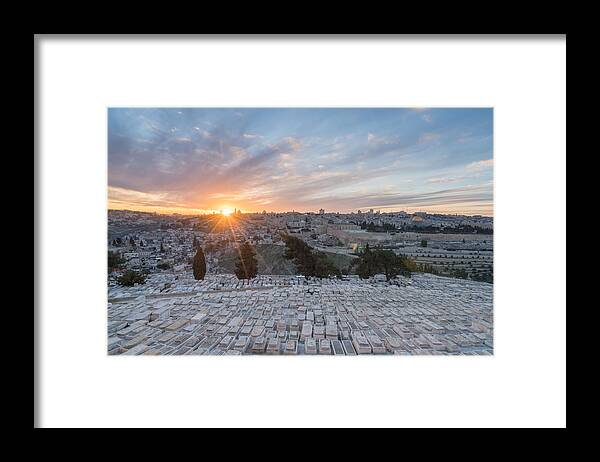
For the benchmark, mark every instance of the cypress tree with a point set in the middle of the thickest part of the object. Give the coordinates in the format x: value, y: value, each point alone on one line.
x: 199, y: 264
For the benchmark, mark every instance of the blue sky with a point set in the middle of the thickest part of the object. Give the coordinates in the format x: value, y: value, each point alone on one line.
x: 200, y: 160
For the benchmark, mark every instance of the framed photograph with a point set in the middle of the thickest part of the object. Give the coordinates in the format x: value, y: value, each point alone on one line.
x: 300, y: 231
x: 345, y: 225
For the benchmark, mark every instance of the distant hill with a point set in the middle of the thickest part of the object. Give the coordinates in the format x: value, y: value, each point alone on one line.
x: 271, y: 260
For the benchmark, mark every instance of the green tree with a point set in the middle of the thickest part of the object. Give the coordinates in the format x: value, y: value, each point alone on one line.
x: 324, y: 267
x: 300, y: 253
x: 391, y: 264
x: 423, y: 243
x: 199, y: 264
x: 131, y: 242
x: 246, y: 266
x: 130, y: 277
x: 115, y: 260
x: 371, y: 262
x: 484, y: 277
x: 460, y: 273
x: 308, y: 262
x: 365, y: 264
x: 162, y: 249
x: 410, y: 264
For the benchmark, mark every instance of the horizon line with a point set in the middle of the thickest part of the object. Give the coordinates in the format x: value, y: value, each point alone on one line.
x: 216, y: 212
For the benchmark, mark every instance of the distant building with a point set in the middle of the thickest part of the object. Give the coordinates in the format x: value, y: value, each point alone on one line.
x: 321, y: 212
x: 296, y: 224
x: 343, y: 226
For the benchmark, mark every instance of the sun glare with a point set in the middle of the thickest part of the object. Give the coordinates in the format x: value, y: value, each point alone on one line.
x: 227, y: 212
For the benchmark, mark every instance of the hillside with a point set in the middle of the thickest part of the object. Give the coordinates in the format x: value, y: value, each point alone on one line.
x: 271, y: 260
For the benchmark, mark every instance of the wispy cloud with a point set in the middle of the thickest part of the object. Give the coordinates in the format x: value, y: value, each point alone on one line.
x: 446, y: 179
x: 297, y: 158
x: 480, y: 165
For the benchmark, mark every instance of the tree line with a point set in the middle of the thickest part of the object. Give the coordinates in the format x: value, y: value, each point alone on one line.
x: 377, y: 261
x: 308, y: 262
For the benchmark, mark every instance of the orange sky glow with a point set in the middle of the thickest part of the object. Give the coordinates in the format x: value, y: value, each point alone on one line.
x: 200, y: 161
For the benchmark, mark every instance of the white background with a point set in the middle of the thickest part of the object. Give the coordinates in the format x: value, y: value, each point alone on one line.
x: 523, y: 384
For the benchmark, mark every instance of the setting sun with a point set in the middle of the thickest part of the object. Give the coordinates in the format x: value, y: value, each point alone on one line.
x: 227, y: 212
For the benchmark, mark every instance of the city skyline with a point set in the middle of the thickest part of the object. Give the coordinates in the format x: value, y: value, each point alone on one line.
x: 189, y: 161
